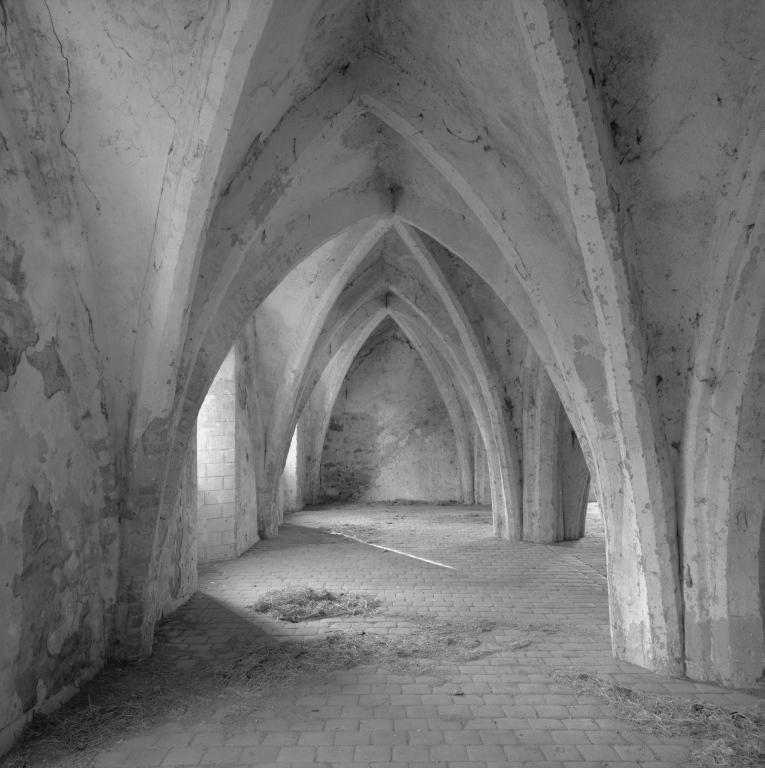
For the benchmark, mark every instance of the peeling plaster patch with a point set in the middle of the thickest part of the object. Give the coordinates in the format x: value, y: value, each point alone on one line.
x: 590, y: 369
x: 10, y: 264
x: 71, y: 617
x: 154, y: 438
x: 678, y: 141
x: 42, y: 448
x: 48, y: 362
x: 249, y: 159
x: 747, y: 273
x: 17, y: 327
x: 55, y: 639
x: 268, y: 195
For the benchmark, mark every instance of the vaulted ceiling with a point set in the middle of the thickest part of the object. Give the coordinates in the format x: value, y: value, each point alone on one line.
x: 593, y: 170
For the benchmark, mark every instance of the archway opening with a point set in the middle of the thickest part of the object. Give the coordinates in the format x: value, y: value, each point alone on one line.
x: 216, y: 466
x: 389, y: 437
x: 291, y: 488
x: 226, y: 503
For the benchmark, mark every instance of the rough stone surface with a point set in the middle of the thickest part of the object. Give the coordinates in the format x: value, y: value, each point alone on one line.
x: 389, y: 436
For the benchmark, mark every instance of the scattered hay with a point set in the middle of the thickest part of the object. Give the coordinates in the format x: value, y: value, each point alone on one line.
x: 453, y: 641
x: 296, y: 604
x: 313, y: 536
x: 437, y: 626
x: 367, y: 534
x: 546, y: 627
x: 120, y: 699
x: 127, y: 698
x: 728, y: 738
x: 281, y: 665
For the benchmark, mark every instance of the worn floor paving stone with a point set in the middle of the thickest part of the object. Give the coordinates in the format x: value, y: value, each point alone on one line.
x: 502, y: 711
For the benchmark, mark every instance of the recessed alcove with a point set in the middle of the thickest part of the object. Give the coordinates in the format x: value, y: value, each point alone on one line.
x: 389, y: 435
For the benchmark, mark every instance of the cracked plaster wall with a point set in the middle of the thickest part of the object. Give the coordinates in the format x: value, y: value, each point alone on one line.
x: 389, y: 435
x: 677, y: 137
x: 120, y: 78
x: 59, y: 537
x: 58, y: 548
x: 90, y: 100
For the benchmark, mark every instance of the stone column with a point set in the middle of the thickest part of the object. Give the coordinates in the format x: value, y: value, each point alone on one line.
x: 542, y: 504
x: 574, y: 481
x: 556, y: 479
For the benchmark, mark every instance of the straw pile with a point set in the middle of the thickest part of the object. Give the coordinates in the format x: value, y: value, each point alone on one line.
x: 725, y: 737
x: 307, y: 603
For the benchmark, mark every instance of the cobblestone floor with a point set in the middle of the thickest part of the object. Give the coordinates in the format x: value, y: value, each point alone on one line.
x: 441, y: 561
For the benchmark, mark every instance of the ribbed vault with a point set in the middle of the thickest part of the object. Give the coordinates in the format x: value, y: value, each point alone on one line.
x: 353, y: 156
x: 396, y: 283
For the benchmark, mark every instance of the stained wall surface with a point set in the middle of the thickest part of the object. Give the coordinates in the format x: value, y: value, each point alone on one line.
x: 57, y: 549
x: 59, y: 489
x: 389, y: 436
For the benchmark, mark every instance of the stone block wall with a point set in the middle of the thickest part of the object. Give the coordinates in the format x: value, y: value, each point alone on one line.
x: 216, y: 467
x: 390, y: 436
x: 290, y: 483
x: 226, y: 516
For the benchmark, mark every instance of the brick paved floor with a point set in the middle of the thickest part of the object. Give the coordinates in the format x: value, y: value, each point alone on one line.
x: 502, y: 711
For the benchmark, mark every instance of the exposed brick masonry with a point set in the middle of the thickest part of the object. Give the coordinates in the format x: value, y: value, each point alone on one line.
x: 216, y: 467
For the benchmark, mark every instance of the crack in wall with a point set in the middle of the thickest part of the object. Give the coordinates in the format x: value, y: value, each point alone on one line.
x: 71, y: 107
